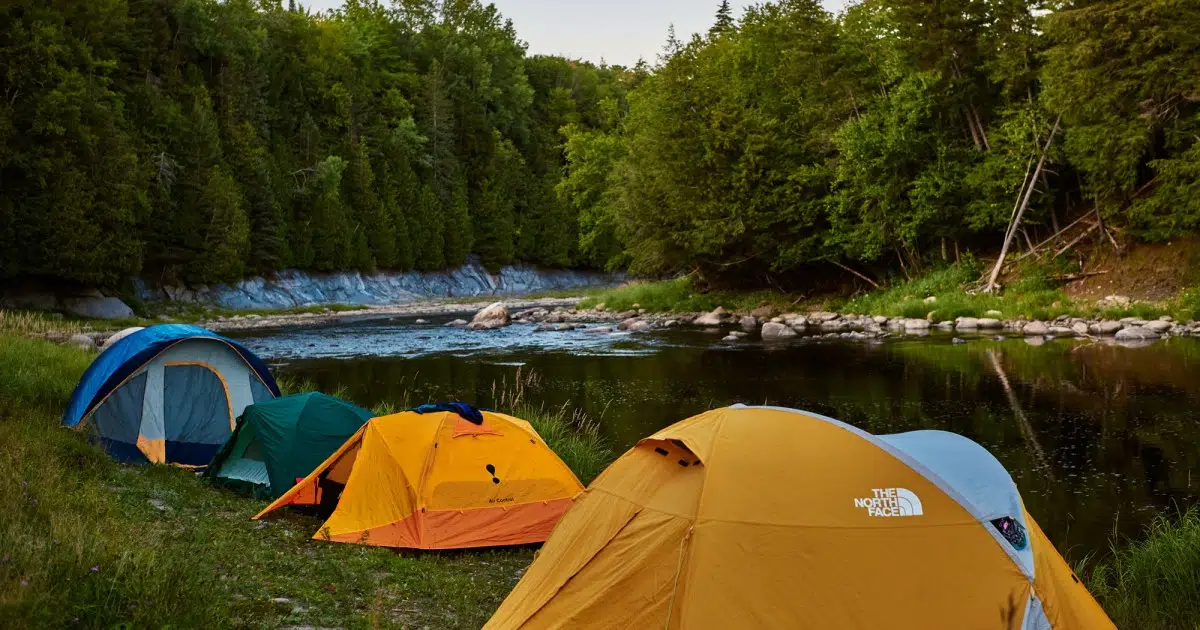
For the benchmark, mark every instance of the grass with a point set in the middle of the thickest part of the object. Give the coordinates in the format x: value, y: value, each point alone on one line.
x: 1153, y: 583
x: 90, y: 543
x: 681, y: 296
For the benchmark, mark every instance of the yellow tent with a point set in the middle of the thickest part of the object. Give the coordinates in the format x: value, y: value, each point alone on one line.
x: 439, y: 481
x: 772, y: 518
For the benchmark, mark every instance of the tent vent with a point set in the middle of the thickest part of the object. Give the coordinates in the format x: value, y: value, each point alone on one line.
x: 661, y: 451
x: 1012, y: 531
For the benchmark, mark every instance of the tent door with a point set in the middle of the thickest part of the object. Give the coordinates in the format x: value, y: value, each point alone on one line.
x: 197, y: 412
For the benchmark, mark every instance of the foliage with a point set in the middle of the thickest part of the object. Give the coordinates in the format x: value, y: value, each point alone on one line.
x: 198, y: 140
x: 1151, y: 583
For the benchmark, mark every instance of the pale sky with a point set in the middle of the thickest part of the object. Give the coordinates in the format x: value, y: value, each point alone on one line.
x: 618, y: 31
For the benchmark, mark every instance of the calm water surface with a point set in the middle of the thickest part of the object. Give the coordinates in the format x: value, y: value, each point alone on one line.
x: 1099, y: 438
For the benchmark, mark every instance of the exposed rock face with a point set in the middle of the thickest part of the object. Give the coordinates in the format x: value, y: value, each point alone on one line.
x: 492, y: 317
x: 108, y: 343
x: 291, y: 288
x: 771, y: 330
x: 98, y: 307
x: 715, y: 318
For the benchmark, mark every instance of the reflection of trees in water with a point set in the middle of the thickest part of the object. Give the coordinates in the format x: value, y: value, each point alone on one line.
x: 1113, y: 426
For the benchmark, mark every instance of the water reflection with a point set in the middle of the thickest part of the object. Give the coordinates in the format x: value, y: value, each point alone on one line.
x: 1097, y: 437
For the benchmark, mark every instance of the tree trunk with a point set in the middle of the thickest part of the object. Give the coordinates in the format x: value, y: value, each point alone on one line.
x: 1016, y: 222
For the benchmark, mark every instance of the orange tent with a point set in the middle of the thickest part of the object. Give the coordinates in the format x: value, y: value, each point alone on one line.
x: 773, y: 518
x: 439, y: 481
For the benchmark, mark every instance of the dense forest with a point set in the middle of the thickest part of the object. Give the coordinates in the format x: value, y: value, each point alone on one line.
x: 203, y: 140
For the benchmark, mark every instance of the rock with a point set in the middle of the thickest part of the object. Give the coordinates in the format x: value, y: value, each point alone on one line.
x: 163, y: 318
x: 1062, y: 331
x: 990, y: 323
x: 956, y: 341
x: 623, y: 315
x: 834, y: 325
x: 80, y: 340
x: 158, y: 505
x: 671, y: 323
x: 764, y: 312
x: 1128, y: 320
x: 778, y: 320
x: 1135, y: 333
x: 1117, y: 300
x: 749, y: 322
x: 564, y: 327
x: 492, y: 317
x: 715, y: 318
x: 822, y: 316
x: 544, y: 328
x: 625, y: 324
x: 771, y: 330
x: 1037, y: 340
x: 458, y: 323
x: 635, y: 306
x: 798, y: 321
x: 115, y: 337
x: 966, y: 323
x: 1106, y: 327
x: 600, y: 307
x: 1159, y: 326
x: 946, y: 326
x: 1035, y: 328
x: 930, y: 300
x: 993, y: 314
x: 879, y: 319
x: 1166, y: 318
x: 640, y: 325
x: 740, y: 334
x: 730, y: 338
x: 1080, y: 328
x: 599, y: 330
x: 98, y: 307
x: 420, y: 321
x: 916, y: 324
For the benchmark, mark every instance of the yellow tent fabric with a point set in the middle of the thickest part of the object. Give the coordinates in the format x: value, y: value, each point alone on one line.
x: 771, y: 518
x: 438, y: 481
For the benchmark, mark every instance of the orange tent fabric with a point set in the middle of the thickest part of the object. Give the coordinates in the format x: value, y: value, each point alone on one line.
x: 438, y: 481
x: 772, y: 518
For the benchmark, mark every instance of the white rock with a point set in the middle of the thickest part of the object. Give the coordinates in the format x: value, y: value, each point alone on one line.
x: 494, y: 316
x: 1080, y: 328
x: 458, y: 323
x: 714, y: 318
x: 1159, y: 326
x: 640, y: 325
x: 80, y: 340
x: 108, y: 343
x: 990, y: 323
x: 1035, y: 329
x: 879, y: 319
x: 930, y: 300
x: 771, y: 330
x: 967, y: 323
x: 1135, y: 333
x: 916, y: 324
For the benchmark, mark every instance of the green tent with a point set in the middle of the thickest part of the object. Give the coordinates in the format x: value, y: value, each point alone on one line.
x: 279, y: 441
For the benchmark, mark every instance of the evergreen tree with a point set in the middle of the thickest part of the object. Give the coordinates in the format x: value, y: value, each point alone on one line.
x: 724, y: 22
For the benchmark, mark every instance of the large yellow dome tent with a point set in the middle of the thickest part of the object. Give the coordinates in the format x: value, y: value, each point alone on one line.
x: 441, y: 477
x: 755, y: 517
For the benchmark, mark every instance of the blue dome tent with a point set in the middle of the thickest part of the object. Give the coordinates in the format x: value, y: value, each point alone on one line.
x: 168, y: 394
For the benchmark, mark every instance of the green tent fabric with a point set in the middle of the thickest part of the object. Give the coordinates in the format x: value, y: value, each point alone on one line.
x: 279, y: 441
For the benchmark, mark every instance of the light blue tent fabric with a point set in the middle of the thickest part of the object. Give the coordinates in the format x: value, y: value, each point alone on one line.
x: 168, y: 394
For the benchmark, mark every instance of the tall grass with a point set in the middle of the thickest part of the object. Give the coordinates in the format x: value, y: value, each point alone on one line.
x: 34, y: 323
x: 1154, y: 583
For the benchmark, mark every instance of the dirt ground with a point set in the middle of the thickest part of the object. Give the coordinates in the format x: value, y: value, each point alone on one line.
x: 1152, y: 272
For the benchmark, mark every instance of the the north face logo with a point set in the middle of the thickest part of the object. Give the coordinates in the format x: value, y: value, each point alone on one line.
x: 891, y: 502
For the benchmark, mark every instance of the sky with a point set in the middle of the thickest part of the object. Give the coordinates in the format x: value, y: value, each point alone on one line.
x: 616, y: 31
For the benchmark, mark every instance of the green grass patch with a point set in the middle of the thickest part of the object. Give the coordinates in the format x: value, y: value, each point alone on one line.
x: 1154, y: 582
x: 87, y: 542
x: 681, y: 296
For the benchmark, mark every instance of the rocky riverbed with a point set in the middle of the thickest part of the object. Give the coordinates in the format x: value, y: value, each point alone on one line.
x: 767, y: 324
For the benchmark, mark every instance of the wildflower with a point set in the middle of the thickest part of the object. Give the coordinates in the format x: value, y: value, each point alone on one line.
x: 96, y: 569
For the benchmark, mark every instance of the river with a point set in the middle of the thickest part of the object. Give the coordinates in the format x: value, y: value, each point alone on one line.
x: 1099, y: 438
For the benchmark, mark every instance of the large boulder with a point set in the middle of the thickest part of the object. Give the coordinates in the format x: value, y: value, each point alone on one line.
x: 490, y: 318
x: 1159, y: 326
x: 916, y: 324
x: 1035, y: 329
x: 772, y: 330
x: 98, y: 307
x: 715, y: 318
x: 108, y: 343
x: 1106, y: 327
x: 967, y: 323
x: 1136, y: 333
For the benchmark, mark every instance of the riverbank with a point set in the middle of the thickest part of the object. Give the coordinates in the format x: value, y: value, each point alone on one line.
x: 89, y: 539
x: 88, y: 542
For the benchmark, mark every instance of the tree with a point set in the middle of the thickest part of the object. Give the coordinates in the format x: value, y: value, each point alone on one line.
x: 724, y: 22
